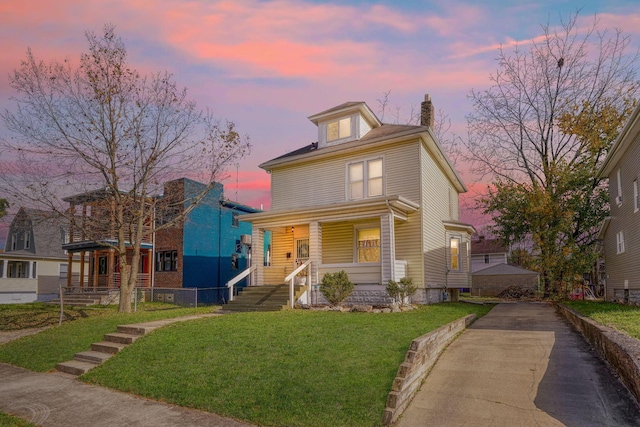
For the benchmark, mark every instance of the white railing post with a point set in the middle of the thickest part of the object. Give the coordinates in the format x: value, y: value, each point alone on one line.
x: 291, y: 293
x: 239, y: 277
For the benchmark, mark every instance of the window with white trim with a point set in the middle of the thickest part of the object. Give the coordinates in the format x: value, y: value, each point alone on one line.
x: 636, y: 205
x: 455, y: 254
x: 27, y: 240
x: 365, y: 179
x: 14, y: 242
x: 63, y: 270
x: 368, y: 244
x: 619, y: 181
x: 620, y: 242
x: 339, y: 129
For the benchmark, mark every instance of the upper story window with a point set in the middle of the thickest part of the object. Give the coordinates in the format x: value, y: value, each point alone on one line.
x: 366, y: 179
x: 636, y: 205
x: 619, y: 196
x: 14, y: 242
x: 27, y: 240
x: 339, y: 129
x: 620, y: 242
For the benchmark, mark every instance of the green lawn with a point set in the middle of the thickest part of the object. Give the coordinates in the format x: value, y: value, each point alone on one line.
x: 290, y: 368
x: 82, y: 326
x: 624, y: 318
x: 9, y: 421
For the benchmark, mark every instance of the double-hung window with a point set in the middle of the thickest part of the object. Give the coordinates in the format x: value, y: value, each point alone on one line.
x: 27, y: 240
x: 455, y: 254
x: 365, y: 179
x: 620, y: 242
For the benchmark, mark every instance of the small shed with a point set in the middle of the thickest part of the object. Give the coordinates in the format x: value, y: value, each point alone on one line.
x: 490, y: 281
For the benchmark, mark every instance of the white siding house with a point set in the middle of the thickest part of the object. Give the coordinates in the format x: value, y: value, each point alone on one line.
x: 379, y: 201
x: 621, y: 231
x: 33, y: 264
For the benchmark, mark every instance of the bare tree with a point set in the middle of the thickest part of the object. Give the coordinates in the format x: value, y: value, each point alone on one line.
x: 102, y: 125
x: 540, y: 132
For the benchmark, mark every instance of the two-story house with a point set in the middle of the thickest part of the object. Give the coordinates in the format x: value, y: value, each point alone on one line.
x: 33, y: 264
x: 379, y: 201
x: 203, y: 250
x: 620, y: 232
x: 207, y: 248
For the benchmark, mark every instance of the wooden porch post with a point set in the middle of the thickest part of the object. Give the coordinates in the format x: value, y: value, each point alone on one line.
x: 95, y: 268
x: 69, y: 269
x: 82, y: 254
x: 110, y: 269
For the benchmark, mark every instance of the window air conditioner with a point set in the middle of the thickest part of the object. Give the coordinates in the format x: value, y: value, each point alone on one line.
x: 245, y: 239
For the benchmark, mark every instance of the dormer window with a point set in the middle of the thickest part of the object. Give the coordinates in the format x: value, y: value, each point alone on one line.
x: 339, y: 129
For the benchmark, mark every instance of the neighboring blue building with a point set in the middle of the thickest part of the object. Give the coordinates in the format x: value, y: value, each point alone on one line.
x: 209, y: 248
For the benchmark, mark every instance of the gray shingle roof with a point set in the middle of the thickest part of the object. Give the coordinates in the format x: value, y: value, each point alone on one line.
x: 503, y: 270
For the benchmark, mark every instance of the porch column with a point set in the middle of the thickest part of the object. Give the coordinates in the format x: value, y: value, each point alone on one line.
x: 69, y: 269
x: 111, y: 282
x: 5, y: 265
x: 257, y: 255
x: 388, y: 248
x: 81, y: 269
x: 315, y: 251
x: 32, y: 270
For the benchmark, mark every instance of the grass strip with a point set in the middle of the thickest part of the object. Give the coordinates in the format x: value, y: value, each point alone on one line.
x: 624, y: 318
x: 290, y: 368
x: 41, y: 352
x: 7, y: 420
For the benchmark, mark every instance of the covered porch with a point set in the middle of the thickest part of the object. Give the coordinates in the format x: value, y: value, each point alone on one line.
x: 358, y: 237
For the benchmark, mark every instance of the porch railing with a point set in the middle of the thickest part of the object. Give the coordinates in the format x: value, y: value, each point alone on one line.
x: 292, y: 277
x: 231, y: 283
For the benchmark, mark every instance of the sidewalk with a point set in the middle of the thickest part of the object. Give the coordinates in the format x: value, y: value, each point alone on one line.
x: 520, y: 365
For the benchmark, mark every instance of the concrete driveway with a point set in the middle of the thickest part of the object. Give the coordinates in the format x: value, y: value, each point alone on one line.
x: 521, y: 365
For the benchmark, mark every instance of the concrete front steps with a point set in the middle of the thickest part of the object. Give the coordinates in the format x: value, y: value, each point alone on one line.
x: 114, y: 343
x: 263, y: 298
x: 78, y: 300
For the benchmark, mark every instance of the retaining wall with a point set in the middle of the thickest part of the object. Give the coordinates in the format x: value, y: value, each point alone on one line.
x: 421, y: 356
x: 620, y: 350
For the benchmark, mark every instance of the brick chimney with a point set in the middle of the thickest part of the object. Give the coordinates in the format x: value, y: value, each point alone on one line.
x: 427, y: 115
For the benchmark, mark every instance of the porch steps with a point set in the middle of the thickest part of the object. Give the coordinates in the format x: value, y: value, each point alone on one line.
x: 78, y: 300
x: 114, y: 343
x: 263, y: 298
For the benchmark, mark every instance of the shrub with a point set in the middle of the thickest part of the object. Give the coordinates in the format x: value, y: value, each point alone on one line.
x: 401, y: 292
x: 336, y: 287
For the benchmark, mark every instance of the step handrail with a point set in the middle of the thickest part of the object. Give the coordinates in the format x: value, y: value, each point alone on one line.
x: 291, y: 278
x: 238, y: 278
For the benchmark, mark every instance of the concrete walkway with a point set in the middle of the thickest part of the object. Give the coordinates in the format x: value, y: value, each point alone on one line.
x: 521, y: 365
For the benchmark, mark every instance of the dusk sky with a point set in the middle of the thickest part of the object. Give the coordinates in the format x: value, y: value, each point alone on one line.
x: 268, y: 65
